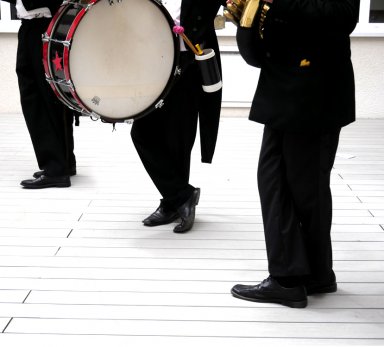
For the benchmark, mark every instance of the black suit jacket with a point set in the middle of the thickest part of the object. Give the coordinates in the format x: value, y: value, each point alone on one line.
x: 306, y: 79
x: 29, y: 5
x: 197, y: 18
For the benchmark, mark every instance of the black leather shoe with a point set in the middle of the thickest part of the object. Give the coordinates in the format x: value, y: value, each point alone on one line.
x: 187, y: 213
x: 160, y: 216
x: 321, y: 286
x: 47, y: 182
x: 270, y: 290
x: 37, y: 174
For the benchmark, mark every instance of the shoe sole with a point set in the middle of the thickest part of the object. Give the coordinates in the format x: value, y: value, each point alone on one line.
x: 71, y: 174
x: 323, y: 290
x: 198, y: 196
x: 292, y: 304
x: 47, y: 186
x: 168, y: 221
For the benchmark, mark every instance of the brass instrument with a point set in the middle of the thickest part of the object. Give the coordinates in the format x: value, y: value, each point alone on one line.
x: 244, y: 12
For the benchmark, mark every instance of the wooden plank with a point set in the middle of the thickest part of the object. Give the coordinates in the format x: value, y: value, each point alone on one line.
x: 163, y: 274
x: 174, y: 263
x: 38, y: 251
x: 12, y: 296
x: 17, y: 340
x: 354, y: 284
x: 345, y: 234
x: 189, y: 311
x: 180, y: 253
x: 161, y: 244
x: 186, y: 299
x: 202, y: 328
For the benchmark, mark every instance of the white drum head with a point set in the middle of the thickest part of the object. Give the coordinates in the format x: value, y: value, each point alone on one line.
x: 122, y: 57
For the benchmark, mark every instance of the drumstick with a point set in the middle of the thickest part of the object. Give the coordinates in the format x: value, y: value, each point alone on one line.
x: 177, y: 29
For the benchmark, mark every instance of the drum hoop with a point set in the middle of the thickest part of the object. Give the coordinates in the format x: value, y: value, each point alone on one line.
x: 69, y: 37
x: 48, y: 34
x: 47, y: 53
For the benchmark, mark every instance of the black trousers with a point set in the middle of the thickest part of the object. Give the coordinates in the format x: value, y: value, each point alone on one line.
x: 48, y: 121
x: 164, y: 139
x: 294, y: 186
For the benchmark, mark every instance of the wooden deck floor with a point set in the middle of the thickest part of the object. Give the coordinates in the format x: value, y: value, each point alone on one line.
x: 77, y: 268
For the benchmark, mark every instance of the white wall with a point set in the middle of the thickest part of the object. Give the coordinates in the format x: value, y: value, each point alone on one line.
x: 368, y: 60
x: 9, y: 92
x: 239, y: 79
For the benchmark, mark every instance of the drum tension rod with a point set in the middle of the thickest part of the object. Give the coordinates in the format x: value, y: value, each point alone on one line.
x: 47, y: 38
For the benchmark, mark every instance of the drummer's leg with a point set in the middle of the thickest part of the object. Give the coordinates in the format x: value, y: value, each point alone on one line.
x: 181, y: 133
x: 43, y: 113
x: 164, y: 141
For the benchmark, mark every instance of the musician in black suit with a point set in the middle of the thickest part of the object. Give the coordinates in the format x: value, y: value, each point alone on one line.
x: 164, y: 139
x: 304, y: 96
x: 49, y: 122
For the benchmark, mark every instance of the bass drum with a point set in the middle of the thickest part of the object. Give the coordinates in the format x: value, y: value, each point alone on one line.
x: 114, y: 62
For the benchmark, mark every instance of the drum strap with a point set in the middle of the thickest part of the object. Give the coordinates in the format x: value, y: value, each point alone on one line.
x: 77, y: 119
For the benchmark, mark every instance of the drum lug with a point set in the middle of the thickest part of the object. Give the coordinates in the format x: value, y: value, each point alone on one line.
x: 77, y: 4
x: 177, y: 71
x: 94, y: 116
x: 65, y: 83
x: 111, y: 2
x: 67, y: 43
x: 46, y: 38
x: 160, y: 104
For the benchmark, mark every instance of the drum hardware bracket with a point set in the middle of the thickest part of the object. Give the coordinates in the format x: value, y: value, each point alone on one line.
x: 70, y: 85
x: 84, y: 112
x: 77, y: 4
x: 112, y: 2
x: 160, y: 104
x: 46, y: 38
x: 60, y: 82
x: 177, y: 71
x: 94, y: 116
x: 128, y: 121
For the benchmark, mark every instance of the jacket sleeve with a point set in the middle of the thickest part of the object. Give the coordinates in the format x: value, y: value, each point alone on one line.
x: 53, y: 5
x: 10, y: 1
x: 250, y: 46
